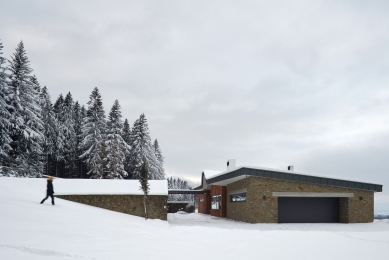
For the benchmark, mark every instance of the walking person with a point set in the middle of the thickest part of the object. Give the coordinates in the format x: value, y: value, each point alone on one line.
x: 50, y: 190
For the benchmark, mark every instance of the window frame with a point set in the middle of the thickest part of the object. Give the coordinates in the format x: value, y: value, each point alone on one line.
x: 216, y: 200
x: 238, y: 194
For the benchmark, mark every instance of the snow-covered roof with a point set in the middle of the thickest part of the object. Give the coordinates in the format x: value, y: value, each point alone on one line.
x: 227, y: 177
x: 210, y: 173
x: 292, y: 172
x: 106, y: 187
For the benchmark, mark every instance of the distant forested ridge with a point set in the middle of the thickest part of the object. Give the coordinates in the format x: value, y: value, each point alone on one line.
x: 67, y: 139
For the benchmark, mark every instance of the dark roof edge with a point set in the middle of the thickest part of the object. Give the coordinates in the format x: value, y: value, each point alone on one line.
x: 295, y: 176
x: 197, y: 187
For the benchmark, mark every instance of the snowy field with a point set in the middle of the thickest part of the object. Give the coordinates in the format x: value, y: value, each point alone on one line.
x: 29, y: 230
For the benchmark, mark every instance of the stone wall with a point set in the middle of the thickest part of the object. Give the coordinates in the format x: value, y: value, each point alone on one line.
x: 241, y: 210
x: 256, y: 209
x: 128, y: 204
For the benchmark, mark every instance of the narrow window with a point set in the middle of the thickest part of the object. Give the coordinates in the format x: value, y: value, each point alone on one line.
x: 216, y: 201
x: 240, y: 197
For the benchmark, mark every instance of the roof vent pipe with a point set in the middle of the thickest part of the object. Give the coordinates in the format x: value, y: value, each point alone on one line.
x: 231, y: 164
x: 291, y: 168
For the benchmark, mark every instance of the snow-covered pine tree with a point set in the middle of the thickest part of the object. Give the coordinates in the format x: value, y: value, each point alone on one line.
x: 116, y: 146
x: 26, y: 122
x: 60, y: 138
x: 78, y: 119
x: 115, y: 158
x: 58, y: 105
x: 126, y: 134
x: 67, y: 118
x: 135, y: 158
x: 15, y: 130
x: 93, y: 133
x: 5, y: 116
x: 159, y: 157
x: 83, y: 111
x: 83, y: 166
x: 37, y: 87
x: 98, y: 162
x: 144, y: 185
x: 81, y: 138
x: 169, y: 183
x: 35, y: 84
x: 49, y: 130
x: 177, y: 182
x: 142, y: 150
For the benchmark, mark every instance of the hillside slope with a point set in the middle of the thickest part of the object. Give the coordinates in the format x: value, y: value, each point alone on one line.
x: 29, y: 230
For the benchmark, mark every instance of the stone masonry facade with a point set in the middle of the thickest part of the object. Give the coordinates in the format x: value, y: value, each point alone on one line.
x: 256, y: 209
x: 128, y: 204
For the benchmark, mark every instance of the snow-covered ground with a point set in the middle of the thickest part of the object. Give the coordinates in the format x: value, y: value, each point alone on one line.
x: 29, y: 230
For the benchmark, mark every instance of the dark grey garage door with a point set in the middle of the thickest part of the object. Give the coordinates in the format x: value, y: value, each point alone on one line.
x: 308, y: 210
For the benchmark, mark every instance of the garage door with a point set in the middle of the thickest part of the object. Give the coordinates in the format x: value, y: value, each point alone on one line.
x: 308, y: 210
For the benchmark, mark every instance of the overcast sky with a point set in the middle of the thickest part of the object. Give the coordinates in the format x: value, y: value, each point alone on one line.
x: 270, y: 83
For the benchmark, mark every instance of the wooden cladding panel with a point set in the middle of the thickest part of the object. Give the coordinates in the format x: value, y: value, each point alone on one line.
x: 205, y: 206
x: 220, y: 190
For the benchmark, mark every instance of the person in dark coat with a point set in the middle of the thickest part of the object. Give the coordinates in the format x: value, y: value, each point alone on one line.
x: 50, y: 190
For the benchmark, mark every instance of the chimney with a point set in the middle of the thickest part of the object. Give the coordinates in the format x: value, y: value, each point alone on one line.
x: 231, y: 164
x: 291, y: 168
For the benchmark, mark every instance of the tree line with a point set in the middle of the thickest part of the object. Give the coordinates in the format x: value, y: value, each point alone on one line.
x: 65, y: 139
x: 179, y: 184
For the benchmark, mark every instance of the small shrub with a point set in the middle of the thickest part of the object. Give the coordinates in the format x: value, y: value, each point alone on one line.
x: 190, y: 208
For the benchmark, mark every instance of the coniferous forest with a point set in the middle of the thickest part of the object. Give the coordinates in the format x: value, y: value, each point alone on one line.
x: 177, y: 183
x: 67, y: 139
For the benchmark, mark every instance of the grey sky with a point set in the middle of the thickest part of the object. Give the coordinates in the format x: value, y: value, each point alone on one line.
x: 270, y: 83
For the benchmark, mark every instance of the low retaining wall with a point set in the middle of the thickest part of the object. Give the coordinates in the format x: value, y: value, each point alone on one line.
x: 128, y: 204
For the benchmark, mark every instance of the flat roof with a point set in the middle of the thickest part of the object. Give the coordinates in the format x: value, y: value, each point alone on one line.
x: 180, y: 191
x: 242, y: 172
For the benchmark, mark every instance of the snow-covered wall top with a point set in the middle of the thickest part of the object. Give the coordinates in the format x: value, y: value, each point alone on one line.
x: 106, y: 187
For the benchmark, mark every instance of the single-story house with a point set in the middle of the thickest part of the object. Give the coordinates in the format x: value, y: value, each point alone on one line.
x: 263, y: 195
x: 123, y: 196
